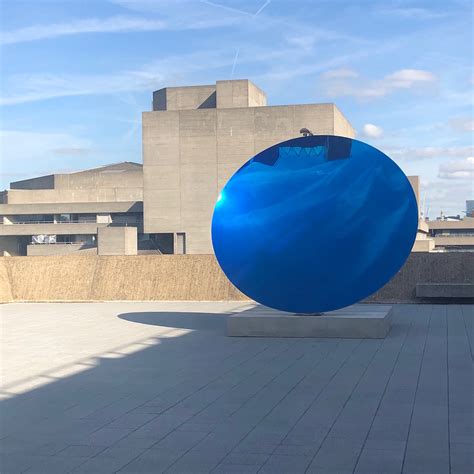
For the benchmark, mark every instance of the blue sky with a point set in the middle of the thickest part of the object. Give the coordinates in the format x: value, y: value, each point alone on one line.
x: 77, y: 75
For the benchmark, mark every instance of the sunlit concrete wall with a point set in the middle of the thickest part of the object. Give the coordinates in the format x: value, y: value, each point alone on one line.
x: 100, y: 278
x: 117, y: 241
x: 112, y: 183
x: 184, y: 277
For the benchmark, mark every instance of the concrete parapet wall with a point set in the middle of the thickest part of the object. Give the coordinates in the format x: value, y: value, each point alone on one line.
x: 105, y: 278
x: 5, y: 288
x: 426, y: 267
x: 184, y: 277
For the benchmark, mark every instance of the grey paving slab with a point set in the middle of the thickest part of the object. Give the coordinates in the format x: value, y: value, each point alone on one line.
x: 380, y: 460
x: 159, y: 387
x: 288, y: 464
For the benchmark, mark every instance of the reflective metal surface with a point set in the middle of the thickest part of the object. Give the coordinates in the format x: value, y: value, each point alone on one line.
x: 314, y: 224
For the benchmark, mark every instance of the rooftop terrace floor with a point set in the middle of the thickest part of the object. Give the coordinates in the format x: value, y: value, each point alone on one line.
x: 158, y: 387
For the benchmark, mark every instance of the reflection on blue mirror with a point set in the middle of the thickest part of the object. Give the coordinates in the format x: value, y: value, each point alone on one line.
x: 314, y: 224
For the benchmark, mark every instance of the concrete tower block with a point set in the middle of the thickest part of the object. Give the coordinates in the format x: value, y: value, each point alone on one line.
x: 239, y: 93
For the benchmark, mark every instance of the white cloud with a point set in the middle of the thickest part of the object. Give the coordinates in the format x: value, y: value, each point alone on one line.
x: 406, y: 78
x: 29, y: 88
x: 415, y: 13
x: 346, y: 82
x: 342, y: 73
x: 370, y: 130
x: 170, y: 17
x: 91, y: 25
x: 446, y: 195
x: 428, y: 152
x: 461, y: 169
x: 462, y: 124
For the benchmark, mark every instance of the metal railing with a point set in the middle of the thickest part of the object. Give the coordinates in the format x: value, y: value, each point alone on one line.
x: 90, y: 244
x: 454, y: 235
x: 51, y: 222
x: 77, y: 222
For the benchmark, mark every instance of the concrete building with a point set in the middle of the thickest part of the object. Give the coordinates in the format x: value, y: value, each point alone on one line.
x: 197, y: 137
x: 470, y: 208
x: 453, y: 235
x: 423, y: 241
x: 193, y: 141
x: 63, y: 213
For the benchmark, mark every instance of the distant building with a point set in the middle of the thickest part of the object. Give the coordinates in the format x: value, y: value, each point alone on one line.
x: 423, y: 242
x: 453, y: 234
x: 470, y: 208
x: 64, y: 213
x: 193, y: 141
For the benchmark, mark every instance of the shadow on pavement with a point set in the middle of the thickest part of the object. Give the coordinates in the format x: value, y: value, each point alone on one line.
x: 196, y: 321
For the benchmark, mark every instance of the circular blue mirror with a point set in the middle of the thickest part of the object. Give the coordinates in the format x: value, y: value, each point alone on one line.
x: 314, y: 224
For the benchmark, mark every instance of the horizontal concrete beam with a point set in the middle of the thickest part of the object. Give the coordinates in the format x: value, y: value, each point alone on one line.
x: 71, y: 207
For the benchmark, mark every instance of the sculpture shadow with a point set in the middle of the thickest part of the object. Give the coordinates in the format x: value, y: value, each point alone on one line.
x: 214, y: 322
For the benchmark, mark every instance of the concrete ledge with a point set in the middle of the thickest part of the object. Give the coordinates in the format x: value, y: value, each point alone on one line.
x: 359, y: 321
x: 445, y: 290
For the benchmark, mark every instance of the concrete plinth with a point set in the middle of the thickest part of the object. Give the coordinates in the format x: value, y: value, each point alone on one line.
x: 364, y: 321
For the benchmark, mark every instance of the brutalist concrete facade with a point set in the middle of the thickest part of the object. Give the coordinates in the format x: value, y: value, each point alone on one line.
x: 62, y: 213
x: 197, y: 137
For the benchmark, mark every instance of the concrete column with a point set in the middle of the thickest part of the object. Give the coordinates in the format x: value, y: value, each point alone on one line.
x: 117, y: 241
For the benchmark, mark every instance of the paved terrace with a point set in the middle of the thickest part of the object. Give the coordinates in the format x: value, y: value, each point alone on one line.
x: 158, y: 387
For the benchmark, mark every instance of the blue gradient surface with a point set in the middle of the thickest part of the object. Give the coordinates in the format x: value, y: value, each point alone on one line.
x: 314, y: 224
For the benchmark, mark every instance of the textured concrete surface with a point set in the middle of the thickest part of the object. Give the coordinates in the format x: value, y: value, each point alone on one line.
x: 445, y: 290
x: 185, y: 277
x: 158, y: 387
x: 103, y: 278
x: 424, y: 267
x: 110, y: 183
x: 117, y: 241
x: 356, y: 321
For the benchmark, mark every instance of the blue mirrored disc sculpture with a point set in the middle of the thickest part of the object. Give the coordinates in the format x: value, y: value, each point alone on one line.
x: 314, y: 224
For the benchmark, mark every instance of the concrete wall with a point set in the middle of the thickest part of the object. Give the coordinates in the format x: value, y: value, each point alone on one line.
x: 239, y: 93
x: 112, y: 183
x: 5, y: 287
x: 415, y: 184
x: 26, y: 196
x: 117, y: 241
x: 59, y: 249
x: 189, y: 155
x: 454, y: 240
x: 222, y: 95
x: 72, y: 207
x: 426, y: 267
x: 185, y: 98
x: 467, y: 223
x: 184, y: 277
x: 42, y: 182
x: 57, y: 229
x: 423, y: 244
x: 98, y: 278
